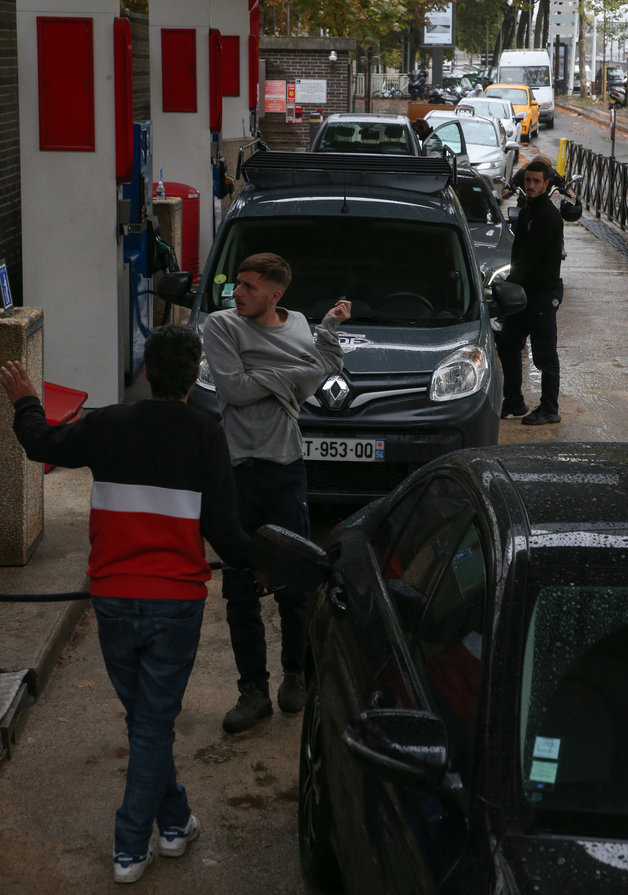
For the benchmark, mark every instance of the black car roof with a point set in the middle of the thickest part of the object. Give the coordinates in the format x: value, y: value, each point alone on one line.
x: 568, y: 484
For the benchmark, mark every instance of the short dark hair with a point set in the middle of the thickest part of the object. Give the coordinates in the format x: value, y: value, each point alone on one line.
x: 421, y: 128
x: 171, y: 357
x: 270, y: 267
x: 538, y: 164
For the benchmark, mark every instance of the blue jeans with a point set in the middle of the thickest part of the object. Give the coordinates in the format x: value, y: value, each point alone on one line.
x: 272, y: 493
x: 149, y: 647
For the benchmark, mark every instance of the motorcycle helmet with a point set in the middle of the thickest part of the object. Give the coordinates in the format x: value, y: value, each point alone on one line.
x: 571, y: 211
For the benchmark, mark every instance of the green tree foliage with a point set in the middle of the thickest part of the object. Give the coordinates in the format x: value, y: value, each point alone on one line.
x: 365, y: 20
x: 473, y: 17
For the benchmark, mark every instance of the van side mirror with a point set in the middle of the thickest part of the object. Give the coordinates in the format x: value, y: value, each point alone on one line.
x: 508, y: 298
x: 174, y: 287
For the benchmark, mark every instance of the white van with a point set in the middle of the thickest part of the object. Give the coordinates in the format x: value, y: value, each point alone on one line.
x: 534, y: 68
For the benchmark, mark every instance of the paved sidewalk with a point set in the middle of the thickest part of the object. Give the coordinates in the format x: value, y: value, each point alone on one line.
x: 598, y: 112
x: 595, y: 362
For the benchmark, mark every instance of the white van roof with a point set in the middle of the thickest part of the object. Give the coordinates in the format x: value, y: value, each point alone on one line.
x: 518, y: 56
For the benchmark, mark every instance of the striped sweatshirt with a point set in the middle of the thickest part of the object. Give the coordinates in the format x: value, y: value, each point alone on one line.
x: 162, y: 482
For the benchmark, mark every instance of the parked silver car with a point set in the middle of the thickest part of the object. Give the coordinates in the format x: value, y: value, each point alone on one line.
x: 496, y: 108
x: 367, y: 132
x: 483, y: 140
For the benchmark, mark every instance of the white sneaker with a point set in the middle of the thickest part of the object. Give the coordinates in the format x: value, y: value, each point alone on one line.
x: 130, y: 868
x: 174, y: 840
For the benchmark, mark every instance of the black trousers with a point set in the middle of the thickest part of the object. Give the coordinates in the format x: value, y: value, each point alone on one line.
x: 276, y: 494
x: 538, y: 321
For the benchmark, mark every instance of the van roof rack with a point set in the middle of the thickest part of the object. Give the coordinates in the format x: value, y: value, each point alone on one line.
x: 271, y: 170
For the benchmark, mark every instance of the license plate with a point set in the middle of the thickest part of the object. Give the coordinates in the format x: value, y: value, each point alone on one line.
x: 361, y: 450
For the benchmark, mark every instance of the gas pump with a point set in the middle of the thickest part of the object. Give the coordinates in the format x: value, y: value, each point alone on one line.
x: 136, y: 310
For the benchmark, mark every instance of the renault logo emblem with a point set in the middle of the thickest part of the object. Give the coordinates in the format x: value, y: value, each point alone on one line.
x: 335, y: 392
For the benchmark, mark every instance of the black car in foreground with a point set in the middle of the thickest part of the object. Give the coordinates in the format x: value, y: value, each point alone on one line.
x: 466, y: 726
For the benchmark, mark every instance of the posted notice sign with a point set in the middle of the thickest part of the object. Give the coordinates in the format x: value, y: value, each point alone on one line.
x: 310, y: 90
x: 275, y: 96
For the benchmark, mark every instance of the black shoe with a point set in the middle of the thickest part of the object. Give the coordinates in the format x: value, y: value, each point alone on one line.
x: 540, y: 417
x: 291, y: 693
x: 252, y: 705
x: 514, y: 411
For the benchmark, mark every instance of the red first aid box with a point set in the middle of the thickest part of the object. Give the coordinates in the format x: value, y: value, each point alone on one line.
x: 62, y: 405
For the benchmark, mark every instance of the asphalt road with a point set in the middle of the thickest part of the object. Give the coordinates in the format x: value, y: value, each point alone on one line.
x: 60, y: 791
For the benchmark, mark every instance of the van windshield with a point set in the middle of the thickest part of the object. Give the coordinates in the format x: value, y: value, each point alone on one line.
x: 532, y: 75
x: 395, y: 272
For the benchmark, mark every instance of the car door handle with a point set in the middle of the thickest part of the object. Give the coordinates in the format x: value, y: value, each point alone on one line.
x: 336, y: 593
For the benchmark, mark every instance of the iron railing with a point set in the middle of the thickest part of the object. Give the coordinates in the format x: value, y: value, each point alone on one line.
x: 604, y: 188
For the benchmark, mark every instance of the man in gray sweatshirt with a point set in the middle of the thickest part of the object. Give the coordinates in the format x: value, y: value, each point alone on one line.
x: 265, y: 363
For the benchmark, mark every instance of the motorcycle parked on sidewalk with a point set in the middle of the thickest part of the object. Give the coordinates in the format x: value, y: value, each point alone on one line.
x: 439, y: 96
x: 417, y: 83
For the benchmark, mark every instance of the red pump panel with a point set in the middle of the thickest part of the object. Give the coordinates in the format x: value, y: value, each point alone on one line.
x: 215, y: 80
x: 230, y: 65
x: 65, y: 63
x: 178, y: 69
x: 123, y: 73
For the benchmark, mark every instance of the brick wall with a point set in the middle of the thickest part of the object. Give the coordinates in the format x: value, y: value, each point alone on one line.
x: 141, y: 65
x: 10, y: 186
x: 291, y: 58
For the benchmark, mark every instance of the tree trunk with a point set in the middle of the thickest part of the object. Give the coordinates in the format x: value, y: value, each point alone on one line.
x: 542, y: 17
x: 584, y: 90
x: 510, y: 22
x: 522, y: 27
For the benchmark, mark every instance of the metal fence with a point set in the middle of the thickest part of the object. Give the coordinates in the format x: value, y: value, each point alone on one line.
x: 381, y: 83
x: 604, y: 188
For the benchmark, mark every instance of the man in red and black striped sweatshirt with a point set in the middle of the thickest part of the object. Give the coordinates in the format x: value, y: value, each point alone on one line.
x: 162, y: 482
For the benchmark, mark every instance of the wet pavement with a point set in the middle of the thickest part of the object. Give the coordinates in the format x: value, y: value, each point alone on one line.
x: 592, y: 346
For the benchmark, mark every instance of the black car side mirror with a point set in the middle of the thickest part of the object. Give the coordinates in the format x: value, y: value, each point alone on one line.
x: 399, y: 745
x: 508, y: 298
x: 287, y: 558
x: 175, y: 288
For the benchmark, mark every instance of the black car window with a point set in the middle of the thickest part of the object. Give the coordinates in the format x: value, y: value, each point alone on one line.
x: 475, y: 201
x: 573, y: 720
x: 448, y: 646
x: 433, y: 564
x: 378, y: 269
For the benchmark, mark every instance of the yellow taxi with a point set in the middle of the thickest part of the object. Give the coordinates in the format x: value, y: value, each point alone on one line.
x: 522, y: 98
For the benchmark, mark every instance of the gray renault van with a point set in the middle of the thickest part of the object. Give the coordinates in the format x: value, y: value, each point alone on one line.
x: 421, y: 375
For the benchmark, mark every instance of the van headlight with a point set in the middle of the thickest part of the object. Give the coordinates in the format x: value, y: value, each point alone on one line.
x: 206, y: 379
x: 498, y: 275
x: 460, y: 374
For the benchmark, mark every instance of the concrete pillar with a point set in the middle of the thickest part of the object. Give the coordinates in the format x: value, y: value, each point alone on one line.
x: 169, y: 214
x: 21, y: 480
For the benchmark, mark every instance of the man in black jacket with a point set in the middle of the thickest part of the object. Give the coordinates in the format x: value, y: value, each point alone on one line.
x: 162, y: 481
x: 535, y: 265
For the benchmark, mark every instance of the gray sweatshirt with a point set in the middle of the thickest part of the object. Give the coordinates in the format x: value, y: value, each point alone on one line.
x: 263, y: 374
